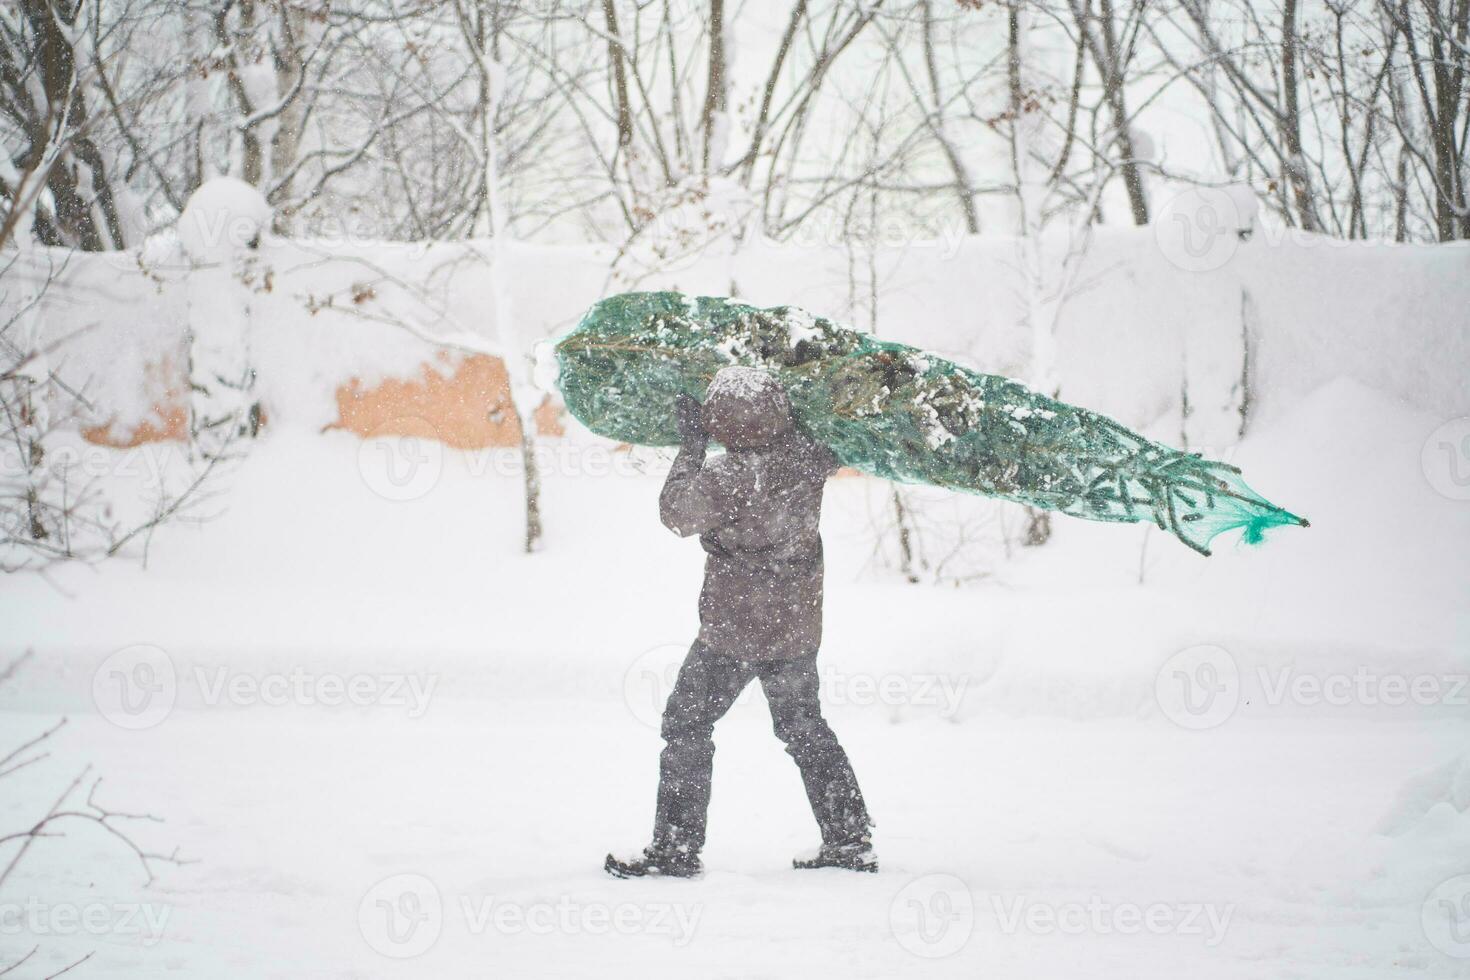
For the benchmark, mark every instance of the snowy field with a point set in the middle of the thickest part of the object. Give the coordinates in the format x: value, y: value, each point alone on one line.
x: 331, y: 720
x: 1251, y: 766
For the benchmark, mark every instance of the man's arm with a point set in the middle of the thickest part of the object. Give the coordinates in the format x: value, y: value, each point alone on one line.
x: 691, y: 501
x: 696, y: 498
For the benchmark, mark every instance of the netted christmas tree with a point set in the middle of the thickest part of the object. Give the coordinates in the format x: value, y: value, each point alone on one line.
x: 896, y: 412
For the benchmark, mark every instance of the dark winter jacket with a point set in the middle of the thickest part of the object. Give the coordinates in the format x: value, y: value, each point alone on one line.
x: 756, y: 509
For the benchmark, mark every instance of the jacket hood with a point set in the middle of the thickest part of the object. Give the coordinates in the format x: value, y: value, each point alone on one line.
x: 746, y: 408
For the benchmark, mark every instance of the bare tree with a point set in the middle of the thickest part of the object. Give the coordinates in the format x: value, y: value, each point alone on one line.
x: 70, y: 808
x: 45, y: 81
x: 1111, y: 41
x: 1436, y: 37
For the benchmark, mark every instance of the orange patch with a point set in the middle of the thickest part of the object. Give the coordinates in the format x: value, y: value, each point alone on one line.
x: 469, y: 409
x: 170, y: 421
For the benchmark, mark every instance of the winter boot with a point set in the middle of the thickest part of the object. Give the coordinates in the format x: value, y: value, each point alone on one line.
x: 853, y: 856
x: 655, y: 862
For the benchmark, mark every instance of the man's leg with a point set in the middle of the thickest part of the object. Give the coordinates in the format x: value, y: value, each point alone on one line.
x: 707, y: 686
x: 831, y: 786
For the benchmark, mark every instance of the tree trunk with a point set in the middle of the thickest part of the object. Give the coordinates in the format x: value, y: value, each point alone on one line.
x: 1295, y: 164
x: 963, y: 187
x: 80, y: 179
x: 714, y: 95
x: 1111, y: 67
x: 905, y: 542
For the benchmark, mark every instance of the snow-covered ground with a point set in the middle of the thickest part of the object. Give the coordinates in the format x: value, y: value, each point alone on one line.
x: 1251, y: 766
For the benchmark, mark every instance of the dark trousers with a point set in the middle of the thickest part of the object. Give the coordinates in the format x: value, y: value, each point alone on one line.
x: 708, y: 685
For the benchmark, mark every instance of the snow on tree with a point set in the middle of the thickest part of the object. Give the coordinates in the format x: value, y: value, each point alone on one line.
x: 219, y: 231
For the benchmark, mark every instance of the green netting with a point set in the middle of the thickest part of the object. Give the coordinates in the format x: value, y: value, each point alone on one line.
x: 896, y: 412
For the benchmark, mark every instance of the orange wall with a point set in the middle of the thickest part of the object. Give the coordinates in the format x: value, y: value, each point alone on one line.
x: 170, y: 418
x: 469, y: 408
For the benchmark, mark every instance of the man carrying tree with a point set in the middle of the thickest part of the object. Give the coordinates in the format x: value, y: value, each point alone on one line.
x: 756, y: 509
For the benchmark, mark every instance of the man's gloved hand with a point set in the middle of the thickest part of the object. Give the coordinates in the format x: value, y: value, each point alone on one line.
x: 691, y: 427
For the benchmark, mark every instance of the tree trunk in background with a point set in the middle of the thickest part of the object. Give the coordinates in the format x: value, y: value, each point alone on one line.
x: 483, y: 32
x: 238, y: 41
x: 198, y: 100
x: 1024, y: 113
x: 1113, y: 70
x: 963, y: 187
x: 1294, y: 164
x: 905, y: 542
x: 714, y: 97
x: 1450, y: 59
x: 291, y: 49
x: 616, y: 57
x: 79, y: 182
x: 22, y: 398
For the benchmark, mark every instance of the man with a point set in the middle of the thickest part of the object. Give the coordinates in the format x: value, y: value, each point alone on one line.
x: 756, y: 510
